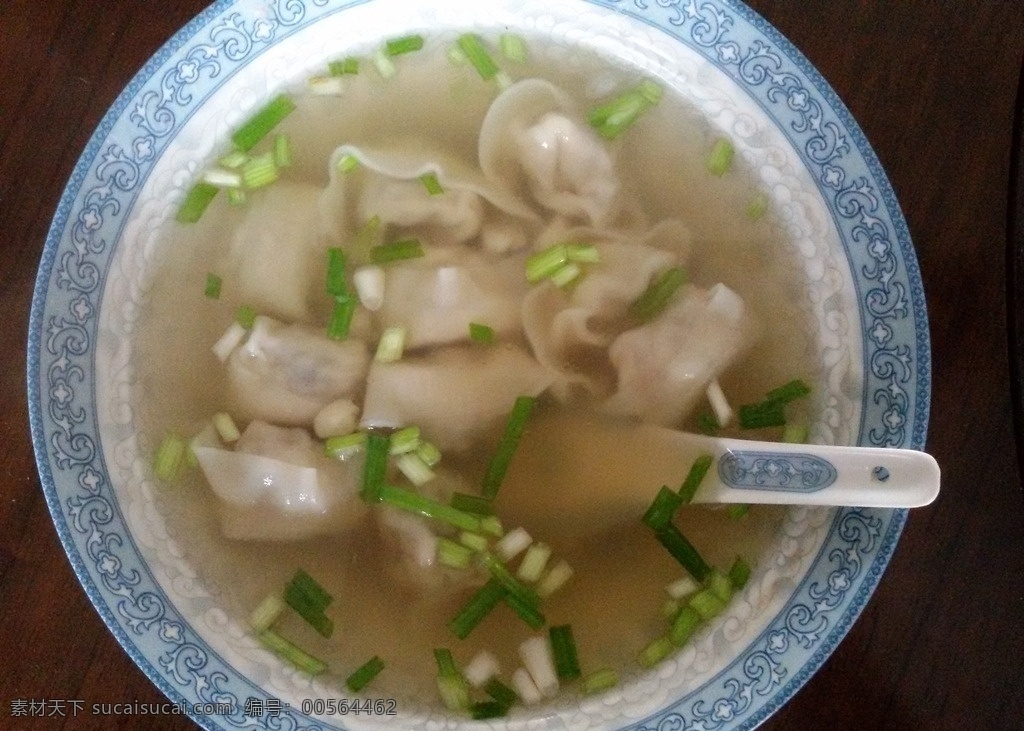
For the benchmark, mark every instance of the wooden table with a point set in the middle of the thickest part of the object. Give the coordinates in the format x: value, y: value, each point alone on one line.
x: 933, y: 85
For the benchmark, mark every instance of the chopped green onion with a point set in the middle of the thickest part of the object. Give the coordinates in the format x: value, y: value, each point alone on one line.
x: 472, y: 503
x: 762, y: 415
x: 737, y: 510
x: 528, y: 612
x: 341, y: 318
x: 683, y: 551
x: 600, y: 680
x: 307, y: 607
x: 795, y: 433
x: 260, y: 124
x: 720, y: 159
x: 707, y: 604
x: 170, y: 455
x: 707, y: 424
x: 391, y: 345
x: 336, y: 265
x: 554, y: 579
x: 513, y: 543
x: 226, y: 428
x: 364, y: 674
x: 501, y: 692
x: 237, y: 196
x: 566, y: 274
x: 345, y: 445
x: 719, y: 585
x: 259, y: 171
x: 384, y: 65
x: 583, y: 253
x: 546, y: 262
x: 662, y: 509
x: 414, y: 468
x: 282, y: 151
x: 513, y: 47
x: 454, y: 692
x: 757, y: 207
x: 405, y: 440
x: 405, y: 44
x: 682, y: 587
x: 446, y: 666
x: 267, y: 612
x: 428, y: 507
x: 375, y: 467
x: 223, y: 178
x: 513, y: 586
x: 491, y: 525
x: 233, y: 160
x: 311, y: 589
x: 656, y: 297
x: 739, y: 573
x: 486, y: 598
x: 534, y: 562
x: 687, y: 621
x: 789, y: 391
x: 535, y: 652
x: 291, y: 652
x: 482, y: 668
x: 396, y: 251
x: 563, y: 649
x: 616, y: 116
x: 346, y: 66
x: 246, y: 316
x: 431, y: 183
x: 484, y: 710
x: 514, y: 427
x: 347, y: 163
x: 474, y: 541
x: 483, y: 334
x: 196, y: 202
x: 429, y: 453
x: 695, y: 476
x: 213, y: 286
x: 473, y: 46
x: 655, y: 652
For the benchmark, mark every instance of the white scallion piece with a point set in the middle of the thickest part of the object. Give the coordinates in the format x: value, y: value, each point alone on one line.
x: 481, y: 668
x: 230, y: 340
x: 534, y: 562
x: 369, y: 283
x: 683, y: 587
x: 391, y: 345
x: 535, y: 652
x: 268, y: 611
x: 554, y: 579
x: 524, y: 686
x: 326, y: 85
x: 410, y: 465
x: 223, y: 178
x: 719, y: 404
x: 385, y: 66
x: 226, y: 427
x: 513, y: 543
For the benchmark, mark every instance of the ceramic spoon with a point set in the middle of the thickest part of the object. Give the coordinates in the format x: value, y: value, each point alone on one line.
x: 571, y: 472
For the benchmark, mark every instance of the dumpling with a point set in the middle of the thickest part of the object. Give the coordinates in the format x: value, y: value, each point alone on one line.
x: 272, y: 261
x: 436, y: 297
x: 387, y: 183
x: 456, y: 395
x: 277, y: 485
x: 286, y: 374
x: 664, y: 366
x: 570, y: 331
x: 531, y: 137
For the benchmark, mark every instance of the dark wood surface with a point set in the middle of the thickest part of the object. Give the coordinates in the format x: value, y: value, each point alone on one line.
x: 933, y: 85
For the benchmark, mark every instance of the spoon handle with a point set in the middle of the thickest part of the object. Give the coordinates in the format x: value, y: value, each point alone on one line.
x: 811, y: 474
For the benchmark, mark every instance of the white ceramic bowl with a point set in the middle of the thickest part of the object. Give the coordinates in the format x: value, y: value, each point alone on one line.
x: 861, y: 298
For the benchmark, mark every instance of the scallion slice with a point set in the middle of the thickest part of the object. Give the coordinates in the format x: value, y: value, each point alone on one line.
x: 695, y: 476
x: 525, y: 610
x: 554, y: 579
x: 513, y: 586
x: 260, y: 171
x: 473, y: 46
x: 345, y: 445
x: 534, y: 562
x: 501, y: 692
x: 656, y: 297
x: 720, y: 158
x: 662, y: 509
x: 391, y: 345
x: 484, y: 710
x: 347, y: 163
x: 405, y: 440
x: 616, y: 116
x: 486, y: 598
x: 375, y: 467
x: 431, y: 183
x: 514, y: 427
x: 170, y: 456
x: 396, y: 251
x: 687, y: 621
x: 344, y: 67
x: 213, y: 286
x: 683, y: 551
x: 513, y: 47
x: 404, y: 44
x: 427, y: 507
x: 199, y: 197
x: 546, y: 262
x: 337, y: 285
x: 341, y: 318
x: 707, y: 604
x: 600, y: 680
x: 246, y: 316
x: 226, y: 428
x: 655, y: 652
x: 366, y: 672
x: 563, y: 649
x: 282, y: 151
x: 737, y: 510
x: 261, y: 123
x: 414, y: 468
x: 291, y: 652
x: 267, y: 612
x: 483, y: 334
x: 739, y: 573
x: 472, y: 503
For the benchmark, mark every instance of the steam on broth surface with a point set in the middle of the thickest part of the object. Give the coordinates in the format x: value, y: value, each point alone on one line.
x: 521, y: 170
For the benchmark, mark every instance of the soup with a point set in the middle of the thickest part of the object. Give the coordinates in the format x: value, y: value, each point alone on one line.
x: 425, y: 249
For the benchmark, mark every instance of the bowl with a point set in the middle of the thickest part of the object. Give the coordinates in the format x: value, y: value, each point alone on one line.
x: 143, y: 551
